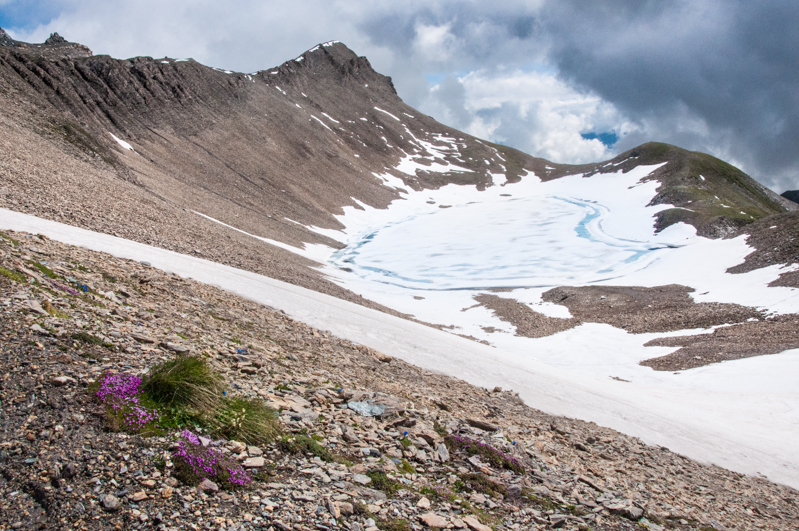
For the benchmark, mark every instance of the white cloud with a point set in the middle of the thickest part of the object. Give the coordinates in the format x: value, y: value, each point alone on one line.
x: 533, y: 111
x: 434, y: 43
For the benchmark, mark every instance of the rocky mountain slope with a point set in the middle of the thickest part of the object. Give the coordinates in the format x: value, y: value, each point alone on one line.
x: 269, y: 153
x: 407, y: 467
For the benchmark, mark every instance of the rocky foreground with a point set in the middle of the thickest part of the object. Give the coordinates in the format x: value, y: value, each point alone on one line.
x: 369, y: 442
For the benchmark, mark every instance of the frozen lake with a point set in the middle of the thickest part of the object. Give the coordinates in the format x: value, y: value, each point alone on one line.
x: 497, y: 242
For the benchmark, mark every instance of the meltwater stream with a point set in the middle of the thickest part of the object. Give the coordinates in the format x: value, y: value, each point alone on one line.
x: 507, y: 242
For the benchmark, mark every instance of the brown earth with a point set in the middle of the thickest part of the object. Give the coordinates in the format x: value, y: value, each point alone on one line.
x: 744, y: 340
x: 645, y: 310
x: 528, y: 322
x: 776, y: 242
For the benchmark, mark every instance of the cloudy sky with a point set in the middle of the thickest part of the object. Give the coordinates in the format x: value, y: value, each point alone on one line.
x: 571, y: 81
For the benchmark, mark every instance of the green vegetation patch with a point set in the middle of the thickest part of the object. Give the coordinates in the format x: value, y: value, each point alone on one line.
x: 382, y: 482
x: 248, y: 420
x: 480, y: 483
x: 12, y: 275
x: 302, y: 444
x: 493, y: 456
x: 87, y: 338
x: 185, y: 381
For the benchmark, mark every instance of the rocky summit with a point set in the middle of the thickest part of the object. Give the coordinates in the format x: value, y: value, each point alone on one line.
x: 105, y: 421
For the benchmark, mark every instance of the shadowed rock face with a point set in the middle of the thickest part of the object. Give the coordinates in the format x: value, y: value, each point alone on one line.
x: 791, y: 195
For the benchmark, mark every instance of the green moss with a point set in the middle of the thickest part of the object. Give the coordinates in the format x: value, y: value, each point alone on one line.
x: 85, y: 337
x: 43, y: 268
x: 12, y: 275
x: 393, y: 524
x: 302, y: 444
x: 480, y: 483
x: 406, y: 468
x: 382, y: 482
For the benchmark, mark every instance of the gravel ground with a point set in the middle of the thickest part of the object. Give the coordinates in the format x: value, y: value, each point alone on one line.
x: 61, y: 467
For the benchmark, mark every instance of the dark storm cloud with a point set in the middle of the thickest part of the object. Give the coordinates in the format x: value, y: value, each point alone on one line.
x: 734, y: 65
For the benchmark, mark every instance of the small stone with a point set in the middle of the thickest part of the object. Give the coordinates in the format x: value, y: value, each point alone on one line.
x: 174, y: 347
x: 38, y: 329
x: 138, y: 496
x: 166, y: 492
x: 423, y: 503
x: 254, y: 451
x: 482, y: 425
x: 235, y: 446
x: 433, y: 520
x: 171, y: 482
x: 253, y: 462
x: 149, y: 483
x: 362, y: 479
x: 207, y: 485
x: 111, y: 503
x: 142, y: 338
x: 61, y: 381
x: 475, y: 524
x: 442, y: 452
x: 334, y: 508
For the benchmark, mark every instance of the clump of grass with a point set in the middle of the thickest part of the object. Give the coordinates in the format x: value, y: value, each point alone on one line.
x: 85, y: 337
x: 248, y: 420
x: 541, y: 501
x: 52, y: 310
x: 495, y: 457
x: 12, y: 275
x: 480, y: 483
x: 406, y: 468
x: 393, y: 524
x: 302, y: 444
x: 186, y: 381
x: 438, y: 491
x: 382, y: 482
x: 44, y: 269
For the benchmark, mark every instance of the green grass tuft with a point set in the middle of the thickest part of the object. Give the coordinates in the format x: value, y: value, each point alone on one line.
x: 85, y: 337
x: 393, y: 524
x: 302, y: 444
x: 480, y: 483
x: 382, y: 482
x: 12, y: 275
x: 248, y: 420
x: 185, y: 381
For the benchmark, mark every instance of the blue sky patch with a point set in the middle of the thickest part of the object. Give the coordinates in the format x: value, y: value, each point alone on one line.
x: 608, y: 138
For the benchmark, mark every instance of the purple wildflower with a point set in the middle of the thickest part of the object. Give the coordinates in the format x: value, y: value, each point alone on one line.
x: 197, y: 462
x: 121, y: 393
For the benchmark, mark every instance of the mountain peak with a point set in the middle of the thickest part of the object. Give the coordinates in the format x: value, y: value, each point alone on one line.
x: 337, y: 61
x: 5, y: 39
x: 55, y: 46
x: 55, y: 38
